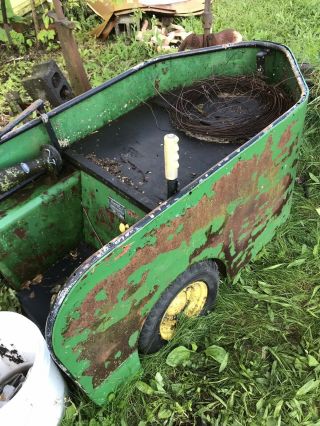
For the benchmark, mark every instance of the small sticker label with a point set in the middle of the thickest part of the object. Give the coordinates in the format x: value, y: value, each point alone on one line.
x: 117, y: 208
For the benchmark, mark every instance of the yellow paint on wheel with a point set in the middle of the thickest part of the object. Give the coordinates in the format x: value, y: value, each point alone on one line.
x: 189, y: 301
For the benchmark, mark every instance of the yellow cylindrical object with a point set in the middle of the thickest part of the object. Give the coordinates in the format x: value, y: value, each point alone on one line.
x: 171, y: 156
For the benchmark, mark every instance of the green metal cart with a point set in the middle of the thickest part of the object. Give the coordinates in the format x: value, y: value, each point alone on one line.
x: 105, y: 296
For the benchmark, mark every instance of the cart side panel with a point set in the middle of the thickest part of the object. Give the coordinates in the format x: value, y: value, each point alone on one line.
x: 85, y: 114
x: 101, y: 221
x: 37, y: 226
x: 230, y: 215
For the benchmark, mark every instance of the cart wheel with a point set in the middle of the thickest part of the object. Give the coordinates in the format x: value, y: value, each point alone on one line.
x: 193, y: 293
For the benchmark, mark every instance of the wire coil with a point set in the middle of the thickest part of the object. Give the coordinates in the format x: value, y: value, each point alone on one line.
x: 227, y: 109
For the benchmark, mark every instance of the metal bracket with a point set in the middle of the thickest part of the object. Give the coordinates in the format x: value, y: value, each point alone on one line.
x: 261, y: 62
x: 50, y: 130
x: 38, y: 105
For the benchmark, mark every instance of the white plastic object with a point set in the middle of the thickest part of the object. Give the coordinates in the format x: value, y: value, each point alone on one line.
x: 40, y: 401
x: 171, y: 156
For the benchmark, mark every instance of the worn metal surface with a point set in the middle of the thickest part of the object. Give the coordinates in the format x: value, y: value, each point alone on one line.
x: 229, y: 213
x: 50, y: 161
x: 101, y: 219
x: 38, y: 225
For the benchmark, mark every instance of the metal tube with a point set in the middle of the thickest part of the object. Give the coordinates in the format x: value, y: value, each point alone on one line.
x: 172, y: 187
x: 50, y: 161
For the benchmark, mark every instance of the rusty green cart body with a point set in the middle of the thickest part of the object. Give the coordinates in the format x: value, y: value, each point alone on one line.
x: 226, y: 211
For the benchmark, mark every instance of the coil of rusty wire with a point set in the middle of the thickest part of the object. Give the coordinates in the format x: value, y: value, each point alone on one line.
x: 227, y: 109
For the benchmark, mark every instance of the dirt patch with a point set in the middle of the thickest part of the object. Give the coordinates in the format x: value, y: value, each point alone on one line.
x: 111, y: 166
x: 11, y: 354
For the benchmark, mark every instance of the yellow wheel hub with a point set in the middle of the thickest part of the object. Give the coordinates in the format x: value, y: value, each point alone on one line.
x: 189, y: 301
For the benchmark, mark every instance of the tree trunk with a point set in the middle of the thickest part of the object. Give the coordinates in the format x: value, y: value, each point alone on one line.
x: 77, y: 74
x: 5, y: 21
x: 207, y: 17
x: 35, y: 20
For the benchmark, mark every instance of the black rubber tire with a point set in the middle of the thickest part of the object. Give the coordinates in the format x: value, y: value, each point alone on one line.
x: 150, y: 340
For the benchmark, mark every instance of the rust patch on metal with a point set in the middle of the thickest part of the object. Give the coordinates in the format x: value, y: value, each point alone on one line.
x: 103, y: 361
x: 132, y: 214
x: 20, y: 233
x: 255, y: 209
x: 123, y: 252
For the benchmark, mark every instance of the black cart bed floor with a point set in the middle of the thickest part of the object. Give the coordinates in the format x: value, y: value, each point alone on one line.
x: 35, y: 298
x: 128, y: 154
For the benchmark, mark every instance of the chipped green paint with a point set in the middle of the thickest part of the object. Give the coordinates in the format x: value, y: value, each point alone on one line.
x: 228, y: 214
x: 99, y: 220
x: 152, y: 268
x: 133, y: 338
x: 36, y: 225
x: 102, y: 295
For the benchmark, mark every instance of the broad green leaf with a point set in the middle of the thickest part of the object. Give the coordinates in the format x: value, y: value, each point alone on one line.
x: 218, y: 354
x: 160, y: 383
x: 194, y: 347
x: 277, y: 410
x: 71, y: 411
x: 259, y: 404
x: 144, y: 388
x: 314, y: 178
x: 318, y: 210
x: 159, y: 379
x: 177, y: 388
x: 266, y: 288
x: 3, y: 35
x: 308, y: 387
x: 164, y: 413
x: 312, y: 362
x: 178, y: 356
x: 178, y: 408
x: 224, y: 363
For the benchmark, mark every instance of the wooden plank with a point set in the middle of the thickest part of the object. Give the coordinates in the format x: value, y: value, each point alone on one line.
x: 22, y: 7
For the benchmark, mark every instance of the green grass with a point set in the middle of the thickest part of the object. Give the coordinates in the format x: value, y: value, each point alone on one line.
x: 268, y: 322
